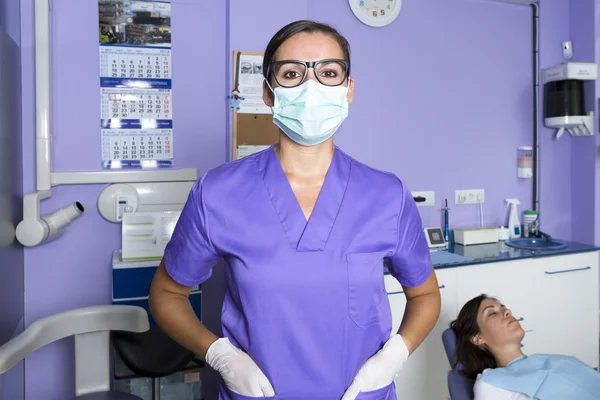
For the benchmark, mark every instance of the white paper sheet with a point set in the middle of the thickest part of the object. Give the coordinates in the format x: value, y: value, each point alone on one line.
x: 250, y: 85
x: 146, y: 234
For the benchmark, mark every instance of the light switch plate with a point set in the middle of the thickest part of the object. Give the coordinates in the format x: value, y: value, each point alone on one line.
x: 473, y: 196
x: 429, y: 198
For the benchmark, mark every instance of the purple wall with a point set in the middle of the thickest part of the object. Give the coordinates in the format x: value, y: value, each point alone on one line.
x: 12, y: 383
x: 443, y: 99
x: 452, y: 69
x: 583, y: 149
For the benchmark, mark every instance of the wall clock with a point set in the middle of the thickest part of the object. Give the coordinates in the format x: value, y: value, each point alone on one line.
x: 376, y: 13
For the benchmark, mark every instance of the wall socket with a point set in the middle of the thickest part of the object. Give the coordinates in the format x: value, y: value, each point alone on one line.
x: 429, y: 198
x: 472, y: 196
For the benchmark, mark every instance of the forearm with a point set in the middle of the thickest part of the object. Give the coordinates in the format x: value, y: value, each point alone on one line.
x: 176, y: 317
x: 420, y: 316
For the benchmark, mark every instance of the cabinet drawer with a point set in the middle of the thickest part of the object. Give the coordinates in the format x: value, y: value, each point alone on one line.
x: 445, y: 277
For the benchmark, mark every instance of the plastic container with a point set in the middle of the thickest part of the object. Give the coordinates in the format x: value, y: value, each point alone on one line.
x: 503, y: 233
x: 529, y: 217
x: 525, y: 162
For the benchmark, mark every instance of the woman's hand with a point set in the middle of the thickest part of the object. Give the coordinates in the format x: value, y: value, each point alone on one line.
x: 380, y: 370
x: 238, y: 370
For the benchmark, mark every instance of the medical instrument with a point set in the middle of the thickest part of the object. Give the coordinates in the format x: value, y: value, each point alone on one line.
x: 467, y: 237
x: 564, y: 98
x: 480, y: 214
x: 117, y: 199
x: 514, y: 225
x: 33, y: 232
x: 446, y: 223
x: 434, y: 237
x: 525, y: 162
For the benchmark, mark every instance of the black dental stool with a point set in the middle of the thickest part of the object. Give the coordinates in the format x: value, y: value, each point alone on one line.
x: 151, y: 354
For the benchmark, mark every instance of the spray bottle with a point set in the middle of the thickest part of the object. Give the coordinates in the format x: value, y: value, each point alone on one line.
x: 514, y: 225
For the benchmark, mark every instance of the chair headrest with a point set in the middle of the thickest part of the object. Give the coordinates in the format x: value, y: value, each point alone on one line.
x: 449, y: 340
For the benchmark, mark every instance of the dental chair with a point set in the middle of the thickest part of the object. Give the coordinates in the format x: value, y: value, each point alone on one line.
x: 460, y: 387
x: 91, y: 327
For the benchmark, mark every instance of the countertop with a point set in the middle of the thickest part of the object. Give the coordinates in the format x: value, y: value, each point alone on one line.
x: 458, y: 255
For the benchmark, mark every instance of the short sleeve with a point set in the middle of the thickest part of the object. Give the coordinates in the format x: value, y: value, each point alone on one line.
x: 190, y: 256
x: 411, y: 261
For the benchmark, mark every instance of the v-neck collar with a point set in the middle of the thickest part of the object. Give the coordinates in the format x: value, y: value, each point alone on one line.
x: 303, y: 235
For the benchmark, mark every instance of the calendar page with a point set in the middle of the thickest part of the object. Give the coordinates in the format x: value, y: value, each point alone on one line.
x: 135, y: 84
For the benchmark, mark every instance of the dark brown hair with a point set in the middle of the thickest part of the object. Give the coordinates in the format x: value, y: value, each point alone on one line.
x: 473, y: 358
x: 302, y: 26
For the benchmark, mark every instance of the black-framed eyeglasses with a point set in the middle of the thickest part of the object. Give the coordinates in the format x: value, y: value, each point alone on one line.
x: 292, y: 73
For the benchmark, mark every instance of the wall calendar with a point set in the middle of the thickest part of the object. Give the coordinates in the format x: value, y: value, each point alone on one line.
x: 135, y: 84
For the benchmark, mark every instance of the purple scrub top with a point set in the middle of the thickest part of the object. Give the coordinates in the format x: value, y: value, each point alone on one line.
x: 305, y: 300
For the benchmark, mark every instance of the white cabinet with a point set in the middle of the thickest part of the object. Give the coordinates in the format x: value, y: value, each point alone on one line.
x: 567, y: 306
x: 429, y: 360
x: 556, y: 299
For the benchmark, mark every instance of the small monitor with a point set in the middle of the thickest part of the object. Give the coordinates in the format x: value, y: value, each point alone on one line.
x: 435, y: 237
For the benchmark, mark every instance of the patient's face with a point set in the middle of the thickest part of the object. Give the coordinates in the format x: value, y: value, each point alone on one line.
x: 498, y: 326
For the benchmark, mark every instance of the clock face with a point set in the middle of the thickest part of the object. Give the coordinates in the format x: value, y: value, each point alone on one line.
x: 376, y: 12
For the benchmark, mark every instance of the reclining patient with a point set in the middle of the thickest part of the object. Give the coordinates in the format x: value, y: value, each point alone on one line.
x: 488, y: 345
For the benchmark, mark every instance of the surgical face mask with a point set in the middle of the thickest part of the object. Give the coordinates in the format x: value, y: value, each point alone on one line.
x: 310, y: 113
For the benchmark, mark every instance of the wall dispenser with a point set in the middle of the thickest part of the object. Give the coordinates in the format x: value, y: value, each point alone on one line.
x: 564, y: 98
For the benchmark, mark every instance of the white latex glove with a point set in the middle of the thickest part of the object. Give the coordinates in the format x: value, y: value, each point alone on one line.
x: 238, y: 370
x: 380, y: 370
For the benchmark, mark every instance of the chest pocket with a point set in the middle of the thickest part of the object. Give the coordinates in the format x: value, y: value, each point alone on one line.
x: 366, y: 289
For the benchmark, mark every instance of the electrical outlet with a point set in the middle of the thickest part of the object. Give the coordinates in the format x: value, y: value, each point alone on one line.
x: 429, y: 198
x: 473, y: 196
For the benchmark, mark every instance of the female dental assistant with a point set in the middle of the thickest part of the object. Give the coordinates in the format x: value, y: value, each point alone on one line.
x: 304, y: 230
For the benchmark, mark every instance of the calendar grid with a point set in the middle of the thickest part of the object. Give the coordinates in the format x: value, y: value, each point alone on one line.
x: 135, y: 85
x: 135, y: 92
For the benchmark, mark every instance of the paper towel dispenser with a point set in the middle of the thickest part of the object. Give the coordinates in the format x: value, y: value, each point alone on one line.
x: 564, y: 98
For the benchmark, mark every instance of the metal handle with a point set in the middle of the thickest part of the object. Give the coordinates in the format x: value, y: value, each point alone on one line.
x: 402, y: 291
x: 567, y: 270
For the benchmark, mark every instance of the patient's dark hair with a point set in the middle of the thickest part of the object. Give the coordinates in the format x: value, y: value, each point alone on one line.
x: 473, y: 358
